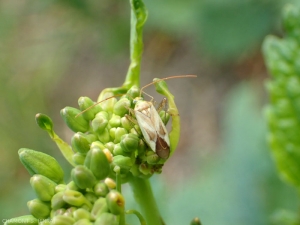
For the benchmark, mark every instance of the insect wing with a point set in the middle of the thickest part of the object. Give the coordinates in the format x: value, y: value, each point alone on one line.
x: 153, y: 129
x: 146, y: 125
x: 163, y: 142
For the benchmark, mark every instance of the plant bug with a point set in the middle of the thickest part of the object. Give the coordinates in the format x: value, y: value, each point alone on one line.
x: 151, y: 125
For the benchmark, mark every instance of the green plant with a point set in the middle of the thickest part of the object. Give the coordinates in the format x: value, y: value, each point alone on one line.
x: 283, y: 113
x: 106, y: 151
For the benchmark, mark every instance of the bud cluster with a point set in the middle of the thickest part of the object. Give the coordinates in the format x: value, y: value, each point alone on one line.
x: 110, y: 129
x: 107, y: 144
x: 283, y: 113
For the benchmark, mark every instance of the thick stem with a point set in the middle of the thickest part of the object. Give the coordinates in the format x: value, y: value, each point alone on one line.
x: 138, y: 18
x: 143, y: 195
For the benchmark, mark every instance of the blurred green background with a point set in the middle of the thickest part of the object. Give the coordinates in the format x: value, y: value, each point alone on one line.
x: 52, y: 52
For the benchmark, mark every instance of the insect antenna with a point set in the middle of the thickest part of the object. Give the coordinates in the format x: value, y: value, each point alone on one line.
x: 166, y: 78
x: 90, y: 107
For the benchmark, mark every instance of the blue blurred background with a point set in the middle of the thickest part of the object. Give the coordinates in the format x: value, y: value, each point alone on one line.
x: 54, y: 51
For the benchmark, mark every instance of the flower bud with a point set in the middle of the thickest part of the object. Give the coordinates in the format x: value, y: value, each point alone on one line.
x: 99, y: 124
x: 57, y: 201
x: 75, y: 122
x: 141, y: 147
x: 112, y: 133
x: 110, y: 183
x: 144, y: 169
x: 195, y: 221
x: 104, y: 137
x: 100, y: 189
x: 127, y: 124
x: 91, y: 197
x: 123, y: 162
x: 40, y: 163
x: 78, y: 158
x: 60, y: 187
x: 39, y: 209
x: 165, y: 117
x: 152, y: 157
x: 108, y: 104
x: 110, y: 146
x: 97, y: 162
x: 100, y: 206
x: 84, y: 103
x: 62, y: 220
x: 83, y: 222
x: 83, y: 177
x: 108, y: 155
x: 115, y: 202
x: 57, y: 212
x: 129, y: 142
x: 118, y: 150
x: 122, y: 106
x: 115, y: 121
x: 106, y: 218
x: 43, y: 187
x: 81, y: 142
x: 74, y: 198
x: 133, y: 92
x: 120, y: 131
x: 44, y: 122
x: 72, y: 186
x: 69, y: 211
x: 22, y: 220
x: 80, y: 213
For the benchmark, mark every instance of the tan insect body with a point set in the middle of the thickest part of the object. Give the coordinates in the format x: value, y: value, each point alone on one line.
x: 154, y: 130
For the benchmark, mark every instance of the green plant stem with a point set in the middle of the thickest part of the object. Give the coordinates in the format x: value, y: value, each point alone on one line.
x: 138, y: 19
x: 143, y: 195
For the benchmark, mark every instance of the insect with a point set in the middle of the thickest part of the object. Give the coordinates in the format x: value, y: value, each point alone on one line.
x: 151, y: 125
x: 153, y: 129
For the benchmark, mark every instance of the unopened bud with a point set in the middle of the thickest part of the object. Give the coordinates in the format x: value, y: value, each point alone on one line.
x: 129, y: 142
x: 81, y: 142
x: 62, y: 220
x: 101, y: 189
x: 57, y: 201
x: 115, y: 121
x: 78, y: 158
x: 81, y: 214
x: 110, y: 183
x: 123, y: 162
x: 195, y: 221
x: 115, y: 202
x: 98, y: 163
x: 44, y: 122
x: 104, y: 137
x: 152, y: 157
x: 122, y: 106
x: 39, y: 209
x: 165, y: 117
x: 99, y: 124
x: 99, y: 207
x: 83, y: 177
x: 74, y: 120
x: 120, y: 131
x: 40, y: 163
x: 126, y: 123
x: 43, y: 187
x: 74, y: 198
x: 84, y: 103
x: 106, y: 218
